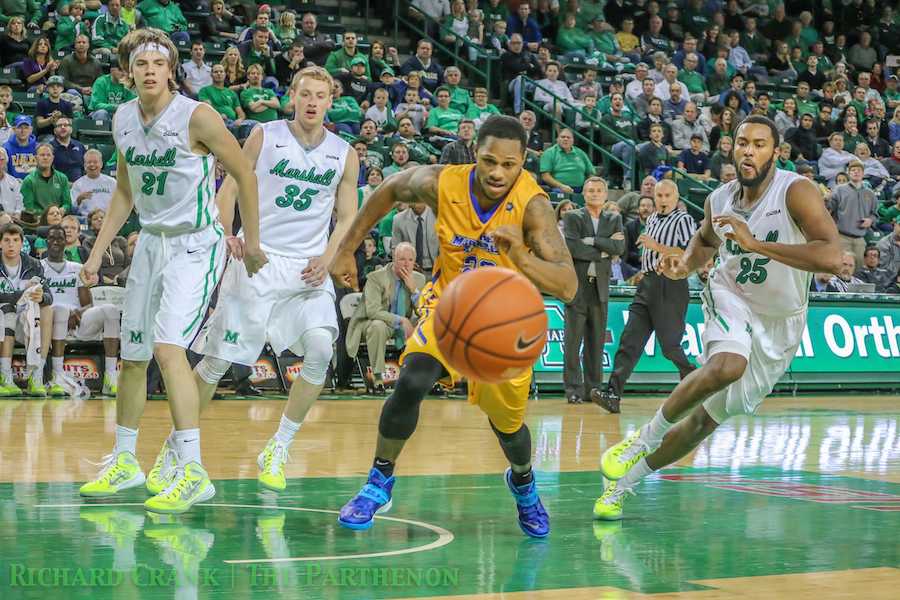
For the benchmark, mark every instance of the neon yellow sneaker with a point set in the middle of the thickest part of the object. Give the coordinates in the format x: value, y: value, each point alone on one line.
x: 617, y: 460
x: 110, y: 386
x: 56, y: 389
x: 120, y: 472
x: 8, y: 387
x: 608, y: 507
x: 271, y: 466
x: 36, y: 385
x: 190, y: 486
x: 163, y: 471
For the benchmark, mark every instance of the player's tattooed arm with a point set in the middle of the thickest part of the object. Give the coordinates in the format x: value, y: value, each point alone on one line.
x: 539, y: 251
x: 416, y: 184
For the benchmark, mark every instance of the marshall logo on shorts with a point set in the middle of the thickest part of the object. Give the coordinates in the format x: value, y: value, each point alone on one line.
x: 150, y: 160
x: 137, y: 337
x: 309, y: 175
x: 231, y: 337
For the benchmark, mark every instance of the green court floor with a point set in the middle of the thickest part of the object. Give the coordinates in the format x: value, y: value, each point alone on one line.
x: 446, y: 535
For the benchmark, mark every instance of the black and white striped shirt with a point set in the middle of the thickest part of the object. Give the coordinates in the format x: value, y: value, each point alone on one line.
x: 674, y: 229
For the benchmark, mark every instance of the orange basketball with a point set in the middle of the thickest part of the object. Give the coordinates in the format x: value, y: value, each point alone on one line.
x: 490, y: 324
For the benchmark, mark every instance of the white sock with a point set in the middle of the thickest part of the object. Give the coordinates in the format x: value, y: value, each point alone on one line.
x: 187, y: 444
x: 653, y: 432
x: 286, y: 431
x: 171, y: 440
x: 112, y: 367
x: 126, y: 440
x: 6, y: 368
x: 634, y: 475
x: 58, y: 362
x: 37, y: 371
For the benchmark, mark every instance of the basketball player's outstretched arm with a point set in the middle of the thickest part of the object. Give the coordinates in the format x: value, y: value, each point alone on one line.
x: 539, y: 251
x: 416, y: 184
x: 120, y: 206
x: 207, y: 128
x: 702, y: 247
x: 822, y: 251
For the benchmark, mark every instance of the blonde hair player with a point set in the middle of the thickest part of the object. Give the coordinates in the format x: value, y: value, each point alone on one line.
x: 166, y: 147
x: 304, y: 173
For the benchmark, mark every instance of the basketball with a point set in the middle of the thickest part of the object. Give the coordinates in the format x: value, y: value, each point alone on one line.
x: 490, y: 324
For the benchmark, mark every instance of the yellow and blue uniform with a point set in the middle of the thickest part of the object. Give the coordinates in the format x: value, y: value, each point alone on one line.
x: 463, y: 230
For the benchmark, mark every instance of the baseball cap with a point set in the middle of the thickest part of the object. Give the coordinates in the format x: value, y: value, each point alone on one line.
x: 56, y: 80
x: 892, y: 77
x: 358, y: 60
x: 22, y: 120
x: 388, y: 71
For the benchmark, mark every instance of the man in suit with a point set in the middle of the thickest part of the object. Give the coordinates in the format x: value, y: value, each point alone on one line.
x: 593, y: 237
x: 416, y: 226
x: 387, y: 309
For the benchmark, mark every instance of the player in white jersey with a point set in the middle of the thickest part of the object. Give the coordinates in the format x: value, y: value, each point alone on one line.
x: 305, y: 172
x: 167, y: 146
x: 776, y: 231
x: 74, y: 313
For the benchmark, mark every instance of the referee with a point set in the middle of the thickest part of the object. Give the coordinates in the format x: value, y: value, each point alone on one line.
x: 660, y: 303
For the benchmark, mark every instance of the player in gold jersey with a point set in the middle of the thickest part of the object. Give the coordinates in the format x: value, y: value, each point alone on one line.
x: 488, y: 214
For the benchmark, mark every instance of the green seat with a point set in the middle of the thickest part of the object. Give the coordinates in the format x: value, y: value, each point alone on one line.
x: 10, y: 76
x: 25, y: 102
x: 92, y: 131
x: 215, y: 49
x: 107, y: 150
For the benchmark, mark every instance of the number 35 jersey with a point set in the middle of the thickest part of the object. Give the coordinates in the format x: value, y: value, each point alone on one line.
x: 173, y: 188
x: 297, y: 188
x: 769, y: 288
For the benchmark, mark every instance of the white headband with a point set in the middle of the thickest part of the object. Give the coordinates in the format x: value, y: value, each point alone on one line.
x: 148, y: 47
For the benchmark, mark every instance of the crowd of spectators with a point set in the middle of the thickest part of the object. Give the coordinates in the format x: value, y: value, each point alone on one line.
x: 633, y: 90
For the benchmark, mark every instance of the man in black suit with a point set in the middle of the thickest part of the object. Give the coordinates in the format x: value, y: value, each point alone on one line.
x: 634, y: 229
x: 593, y: 237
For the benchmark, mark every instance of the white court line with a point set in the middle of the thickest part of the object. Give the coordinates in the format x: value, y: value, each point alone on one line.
x: 444, y: 536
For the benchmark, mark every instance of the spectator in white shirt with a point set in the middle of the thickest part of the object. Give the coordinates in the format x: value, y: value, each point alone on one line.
x: 10, y: 188
x: 635, y: 87
x: 553, y: 83
x: 93, y: 189
x: 670, y: 79
x: 197, y: 74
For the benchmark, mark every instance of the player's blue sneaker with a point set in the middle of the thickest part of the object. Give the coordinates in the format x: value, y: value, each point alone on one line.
x: 533, y: 519
x: 373, y: 498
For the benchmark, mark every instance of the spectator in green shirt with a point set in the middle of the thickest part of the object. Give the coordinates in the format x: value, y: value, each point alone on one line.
x: 459, y: 96
x: 345, y: 112
x: 109, y: 28
x: 572, y: 41
x: 480, y: 110
x: 257, y: 51
x: 226, y: 102
x: 338, y: 61
x: 108, y: 92
x: 443, y: 121
x: 70, y: 26
x: 45, y: 186
x: 565, y: 167
x: 259, y: 102
x: 694, y: 81
x: 165, y: 15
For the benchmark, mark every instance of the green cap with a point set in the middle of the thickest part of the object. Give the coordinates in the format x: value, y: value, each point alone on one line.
x: 388, y: 71
x: 358, y: 60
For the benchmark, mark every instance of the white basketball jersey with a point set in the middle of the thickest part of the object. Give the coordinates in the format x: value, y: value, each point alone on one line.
x: 297, y: 189
x: 173, y: 188
x: 770, y: 288
x: 63, y: 284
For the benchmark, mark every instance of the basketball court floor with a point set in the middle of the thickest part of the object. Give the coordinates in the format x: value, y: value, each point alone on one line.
x: 801, y: 501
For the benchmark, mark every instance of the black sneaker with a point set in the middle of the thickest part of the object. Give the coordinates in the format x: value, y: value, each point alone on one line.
x: 607, y: 399
x: 245, y: 388
x: 575, y: 399
x: 378, y: 389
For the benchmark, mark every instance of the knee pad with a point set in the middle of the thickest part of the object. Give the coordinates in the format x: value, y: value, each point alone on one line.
x: 316, y: 347
x: 211, y: 369
x: 60, y: 322
x: 112, y: 318
x: 401, y: 410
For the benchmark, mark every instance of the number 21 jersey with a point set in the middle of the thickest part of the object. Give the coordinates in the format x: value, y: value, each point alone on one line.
x: 297, y: 188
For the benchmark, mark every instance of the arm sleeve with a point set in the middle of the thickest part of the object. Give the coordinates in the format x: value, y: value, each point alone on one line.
x: 611, y: 246
x: 372, y: 294
x: 28, y: 199
x: 579, y: 249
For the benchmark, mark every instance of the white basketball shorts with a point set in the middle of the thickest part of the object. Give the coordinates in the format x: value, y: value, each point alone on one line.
x: 768, y: 343
x: 169, y: 285
x: 274, y: 305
